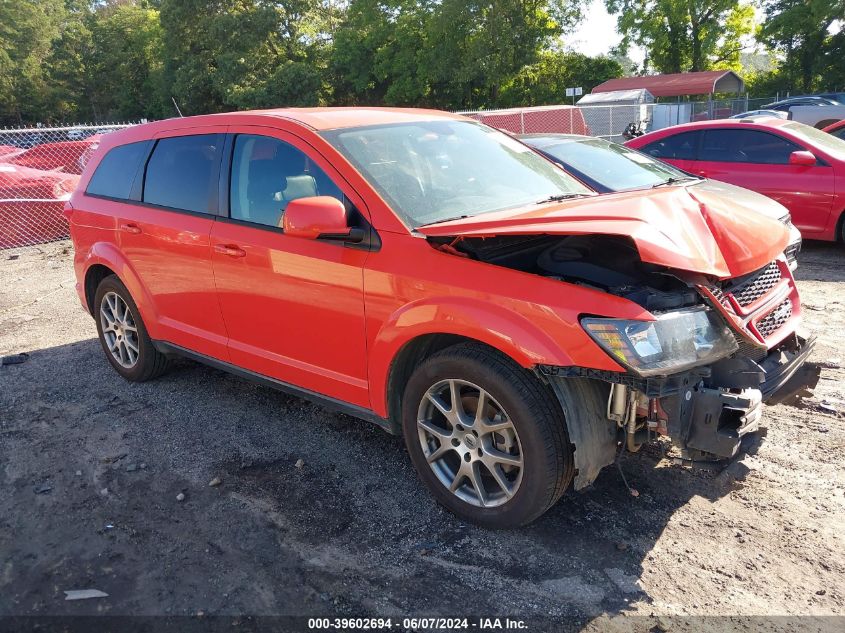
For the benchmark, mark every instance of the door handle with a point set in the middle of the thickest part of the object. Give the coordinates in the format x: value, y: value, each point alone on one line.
x: 130, y: 228
x: 230, y: 250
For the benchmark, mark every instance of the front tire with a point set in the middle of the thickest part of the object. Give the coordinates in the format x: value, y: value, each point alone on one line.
x: 122, y: 333
x: 486, y: 437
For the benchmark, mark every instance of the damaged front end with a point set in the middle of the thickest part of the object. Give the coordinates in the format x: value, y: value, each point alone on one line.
x: 699, y: 372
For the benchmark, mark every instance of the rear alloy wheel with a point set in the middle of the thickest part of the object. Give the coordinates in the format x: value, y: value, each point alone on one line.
x: 122, y: 333
x: 486, y: 437
x: 119, y: 330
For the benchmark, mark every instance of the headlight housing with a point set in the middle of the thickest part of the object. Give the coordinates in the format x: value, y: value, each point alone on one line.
x: 675, y: 341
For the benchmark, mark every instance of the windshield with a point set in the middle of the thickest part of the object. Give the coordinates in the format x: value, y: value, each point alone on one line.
x: 822, y: 140
x: 431, y: 171
x: 610, y: 166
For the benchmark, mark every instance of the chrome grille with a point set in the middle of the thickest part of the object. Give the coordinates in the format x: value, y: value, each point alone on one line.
x: 773, y: 321
x: 791, y: 252
x: 760, y: 283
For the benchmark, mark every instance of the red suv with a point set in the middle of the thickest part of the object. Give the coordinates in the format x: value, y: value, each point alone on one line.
x: 799, y: 166
x: 433, y: 275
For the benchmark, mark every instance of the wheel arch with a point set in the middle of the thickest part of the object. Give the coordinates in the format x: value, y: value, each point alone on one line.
x: 839, y: 234
x: 414, y: 333
x: 93, y: 276
x: 105, y: 259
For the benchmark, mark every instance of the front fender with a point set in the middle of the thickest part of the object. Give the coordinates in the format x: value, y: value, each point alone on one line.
x: 496, y: 326
x: 109, y: 255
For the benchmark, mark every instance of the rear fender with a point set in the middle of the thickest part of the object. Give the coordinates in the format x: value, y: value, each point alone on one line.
x: 109, y: 255
x: 501, y: 329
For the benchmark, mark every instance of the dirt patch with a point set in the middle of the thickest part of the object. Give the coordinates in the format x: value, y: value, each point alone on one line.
x: 91, y: 466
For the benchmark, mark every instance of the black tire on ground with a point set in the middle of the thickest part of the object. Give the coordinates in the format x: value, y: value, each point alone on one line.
x: 150, y: 363
x: 536, y: 416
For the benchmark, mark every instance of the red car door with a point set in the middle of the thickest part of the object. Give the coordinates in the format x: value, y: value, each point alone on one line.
x: 166, y: 239
x: 293, y: 307
x: 759, y: 161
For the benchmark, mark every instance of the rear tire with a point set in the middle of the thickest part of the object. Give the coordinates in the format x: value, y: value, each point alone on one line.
x: 122, y: 333
x: 502, y: 457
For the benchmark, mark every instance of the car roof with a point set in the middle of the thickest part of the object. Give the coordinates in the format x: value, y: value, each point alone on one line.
x: 335, y: 118
x: 545, y: 140
x: 331, y: 118
x: 751, y: 121
x: 790, y: 100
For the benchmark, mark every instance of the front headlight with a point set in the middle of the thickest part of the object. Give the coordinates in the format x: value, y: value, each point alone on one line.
x: 674, y: 342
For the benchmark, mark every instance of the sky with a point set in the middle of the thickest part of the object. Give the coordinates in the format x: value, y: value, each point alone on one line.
x: 596, y: 34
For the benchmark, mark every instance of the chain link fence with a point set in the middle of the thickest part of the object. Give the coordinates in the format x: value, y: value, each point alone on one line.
x: 611, y: 121
x: 39, y: 169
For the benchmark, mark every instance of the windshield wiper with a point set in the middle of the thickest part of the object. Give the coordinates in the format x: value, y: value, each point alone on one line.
x: 674, y: 181
x: 457, y: 217
x: 563, y: 196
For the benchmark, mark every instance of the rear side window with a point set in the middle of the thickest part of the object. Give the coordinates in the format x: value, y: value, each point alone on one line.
x: 182, y: 173
x: 115, y: 174
x: 746, y: 146
x: 678, y: 146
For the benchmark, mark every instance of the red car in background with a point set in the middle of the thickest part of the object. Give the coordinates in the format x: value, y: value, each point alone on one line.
x: 9, y: 151
x: 31, y: 204
x: 34, y: 185
x: 837, y: 129
x: 69, y: 157
x: 799, y: 166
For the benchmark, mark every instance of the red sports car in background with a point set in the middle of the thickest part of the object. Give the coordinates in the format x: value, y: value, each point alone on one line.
x: 799, y: 166
x: 837, y: 129
x: 31, y: 203
x: 66, y: 156
x: 8, y: 151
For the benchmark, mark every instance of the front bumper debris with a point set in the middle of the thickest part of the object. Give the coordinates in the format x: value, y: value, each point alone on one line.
x: 714, y: 415
x: 786, y: 372
x: 719, y: 420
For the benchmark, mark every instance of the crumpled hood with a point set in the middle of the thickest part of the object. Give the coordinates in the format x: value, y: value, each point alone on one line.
x: 695, y: 228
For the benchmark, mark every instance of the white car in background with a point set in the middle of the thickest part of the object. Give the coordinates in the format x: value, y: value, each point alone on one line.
x: 814, y: 110
x: 774, y: 113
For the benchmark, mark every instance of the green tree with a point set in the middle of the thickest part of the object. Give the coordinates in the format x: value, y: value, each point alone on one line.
x: 228, y: 54
x: 446, y: 53
x: 124, y: 66
x: 800, y: 32
x: 66, y: 68
x: 545, y: 82
x: 28, y: 29
x: 685, y: 35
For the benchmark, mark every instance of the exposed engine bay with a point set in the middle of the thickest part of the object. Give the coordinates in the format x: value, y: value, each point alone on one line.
x: 604, y: 262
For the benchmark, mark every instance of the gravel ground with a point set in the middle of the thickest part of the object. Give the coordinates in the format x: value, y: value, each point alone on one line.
x: 91, y: 466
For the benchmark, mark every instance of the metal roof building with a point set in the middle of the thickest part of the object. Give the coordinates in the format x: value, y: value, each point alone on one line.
x: 678, y: 84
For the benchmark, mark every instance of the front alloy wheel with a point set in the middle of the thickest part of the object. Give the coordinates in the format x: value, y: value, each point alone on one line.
x: 486, y: 437
x: 470, y: 443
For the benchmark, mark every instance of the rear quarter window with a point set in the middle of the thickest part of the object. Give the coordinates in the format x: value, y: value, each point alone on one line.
x: 678, y: 146
x: 182, y: 173
x: 114, y: 176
